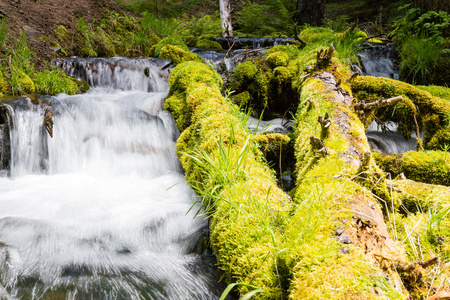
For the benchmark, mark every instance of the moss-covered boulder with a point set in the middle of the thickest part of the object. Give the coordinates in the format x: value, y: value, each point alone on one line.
x: 277, y: 59
x: 207, y: 44
x: 171, y: 40
x: 248, y: 77
x: 177, y: 55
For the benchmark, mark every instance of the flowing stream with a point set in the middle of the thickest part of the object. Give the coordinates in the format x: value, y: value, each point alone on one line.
x: 101, y: 210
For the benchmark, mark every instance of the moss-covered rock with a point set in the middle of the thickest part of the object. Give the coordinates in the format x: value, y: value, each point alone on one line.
x: 21, y: 82
x: 247, y: 77
x: 177, y: 55
x: 207, y: 44
x: 277, y: 59
x: 171, y: 40
x: 55, y: 82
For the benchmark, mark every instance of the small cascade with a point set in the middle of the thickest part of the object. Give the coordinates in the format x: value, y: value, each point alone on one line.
x: 118, y: 73
x: 100, y: 211
x: 378, y: 61
x: 277, y: 125
x: 253, y: 43
x: 224, y: 61
x: 388, y: 140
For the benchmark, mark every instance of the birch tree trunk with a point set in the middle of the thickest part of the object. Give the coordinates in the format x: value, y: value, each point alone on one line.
x: 225, y: 18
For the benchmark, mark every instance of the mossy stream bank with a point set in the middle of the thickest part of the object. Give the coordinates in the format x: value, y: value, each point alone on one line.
x: 343, y: 233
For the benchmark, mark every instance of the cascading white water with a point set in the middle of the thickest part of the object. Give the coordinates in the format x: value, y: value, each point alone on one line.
x: 378, y: 61
x: 100, y: 211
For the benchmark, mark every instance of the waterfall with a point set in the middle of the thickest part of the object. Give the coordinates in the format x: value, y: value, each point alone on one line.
x: 388, y: 140
x: 378, y: 61
x: 102, y: 209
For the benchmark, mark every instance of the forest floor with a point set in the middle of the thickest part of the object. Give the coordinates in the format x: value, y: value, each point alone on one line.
x: 39, y: 18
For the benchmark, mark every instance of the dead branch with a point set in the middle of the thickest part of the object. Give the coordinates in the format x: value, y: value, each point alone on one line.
x: 228, y: 51
x: 423, y: 264
x: 325, y: 123
x: 318, y: 145
x: 353, y: 76
x: 297, y: 38
x: 377, y: 104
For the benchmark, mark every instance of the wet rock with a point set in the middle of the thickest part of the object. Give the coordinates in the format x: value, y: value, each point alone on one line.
x: 5, y: 139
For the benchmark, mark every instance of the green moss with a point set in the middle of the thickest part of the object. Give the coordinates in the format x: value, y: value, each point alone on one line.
x: 277, y: 59
x: 440, y: 140
x: 437, y: 91
x: 420, y: 197
x: 177, y: 55
x: 22, y: 83
x: 318, y: 35
x: 207, y: 44
x: 271, y: 141
x: 55, y: 82
x: 242, y: 99
x: 171, y: 40
x: 416, y: 103
x: 247, y: 77
x: 425, y: 166
x: 62, y: 34
x: 4, y: 87
x: 185, y: 77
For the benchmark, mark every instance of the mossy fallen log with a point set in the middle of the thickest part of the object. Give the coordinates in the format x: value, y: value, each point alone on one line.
x: 331, y: 241
x: 424, y: 166
x: 336, y: 190
x: 236, y: 188
x: 430, y: 112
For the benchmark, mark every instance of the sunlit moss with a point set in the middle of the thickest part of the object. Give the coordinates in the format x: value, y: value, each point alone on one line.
x: 177, y: 55
x: 277, y: 59
x: 416, y: 103
x: 425, y: 166
x: 207, y: 44
x: 437, y: 91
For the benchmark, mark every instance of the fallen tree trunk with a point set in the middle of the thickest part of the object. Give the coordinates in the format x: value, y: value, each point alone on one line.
x: 344, y: 182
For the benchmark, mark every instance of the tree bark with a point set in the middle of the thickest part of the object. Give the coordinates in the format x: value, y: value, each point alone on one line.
x: 436, y: 5
x: 310, y: 12
x: 225, y: 18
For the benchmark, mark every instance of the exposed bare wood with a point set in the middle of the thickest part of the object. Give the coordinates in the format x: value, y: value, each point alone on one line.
x: 377, y: 104
x: 423, y: 264
x: 354, y: 75
x: 225, y: 18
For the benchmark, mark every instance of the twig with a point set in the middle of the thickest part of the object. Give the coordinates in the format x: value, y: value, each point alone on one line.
x: 382, y: 123
x: 229, y: 49
x: 423, y: 264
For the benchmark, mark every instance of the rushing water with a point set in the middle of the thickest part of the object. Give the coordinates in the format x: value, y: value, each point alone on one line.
x: 100, y: 211
x: 388, y: 141
x: 379, y: 61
